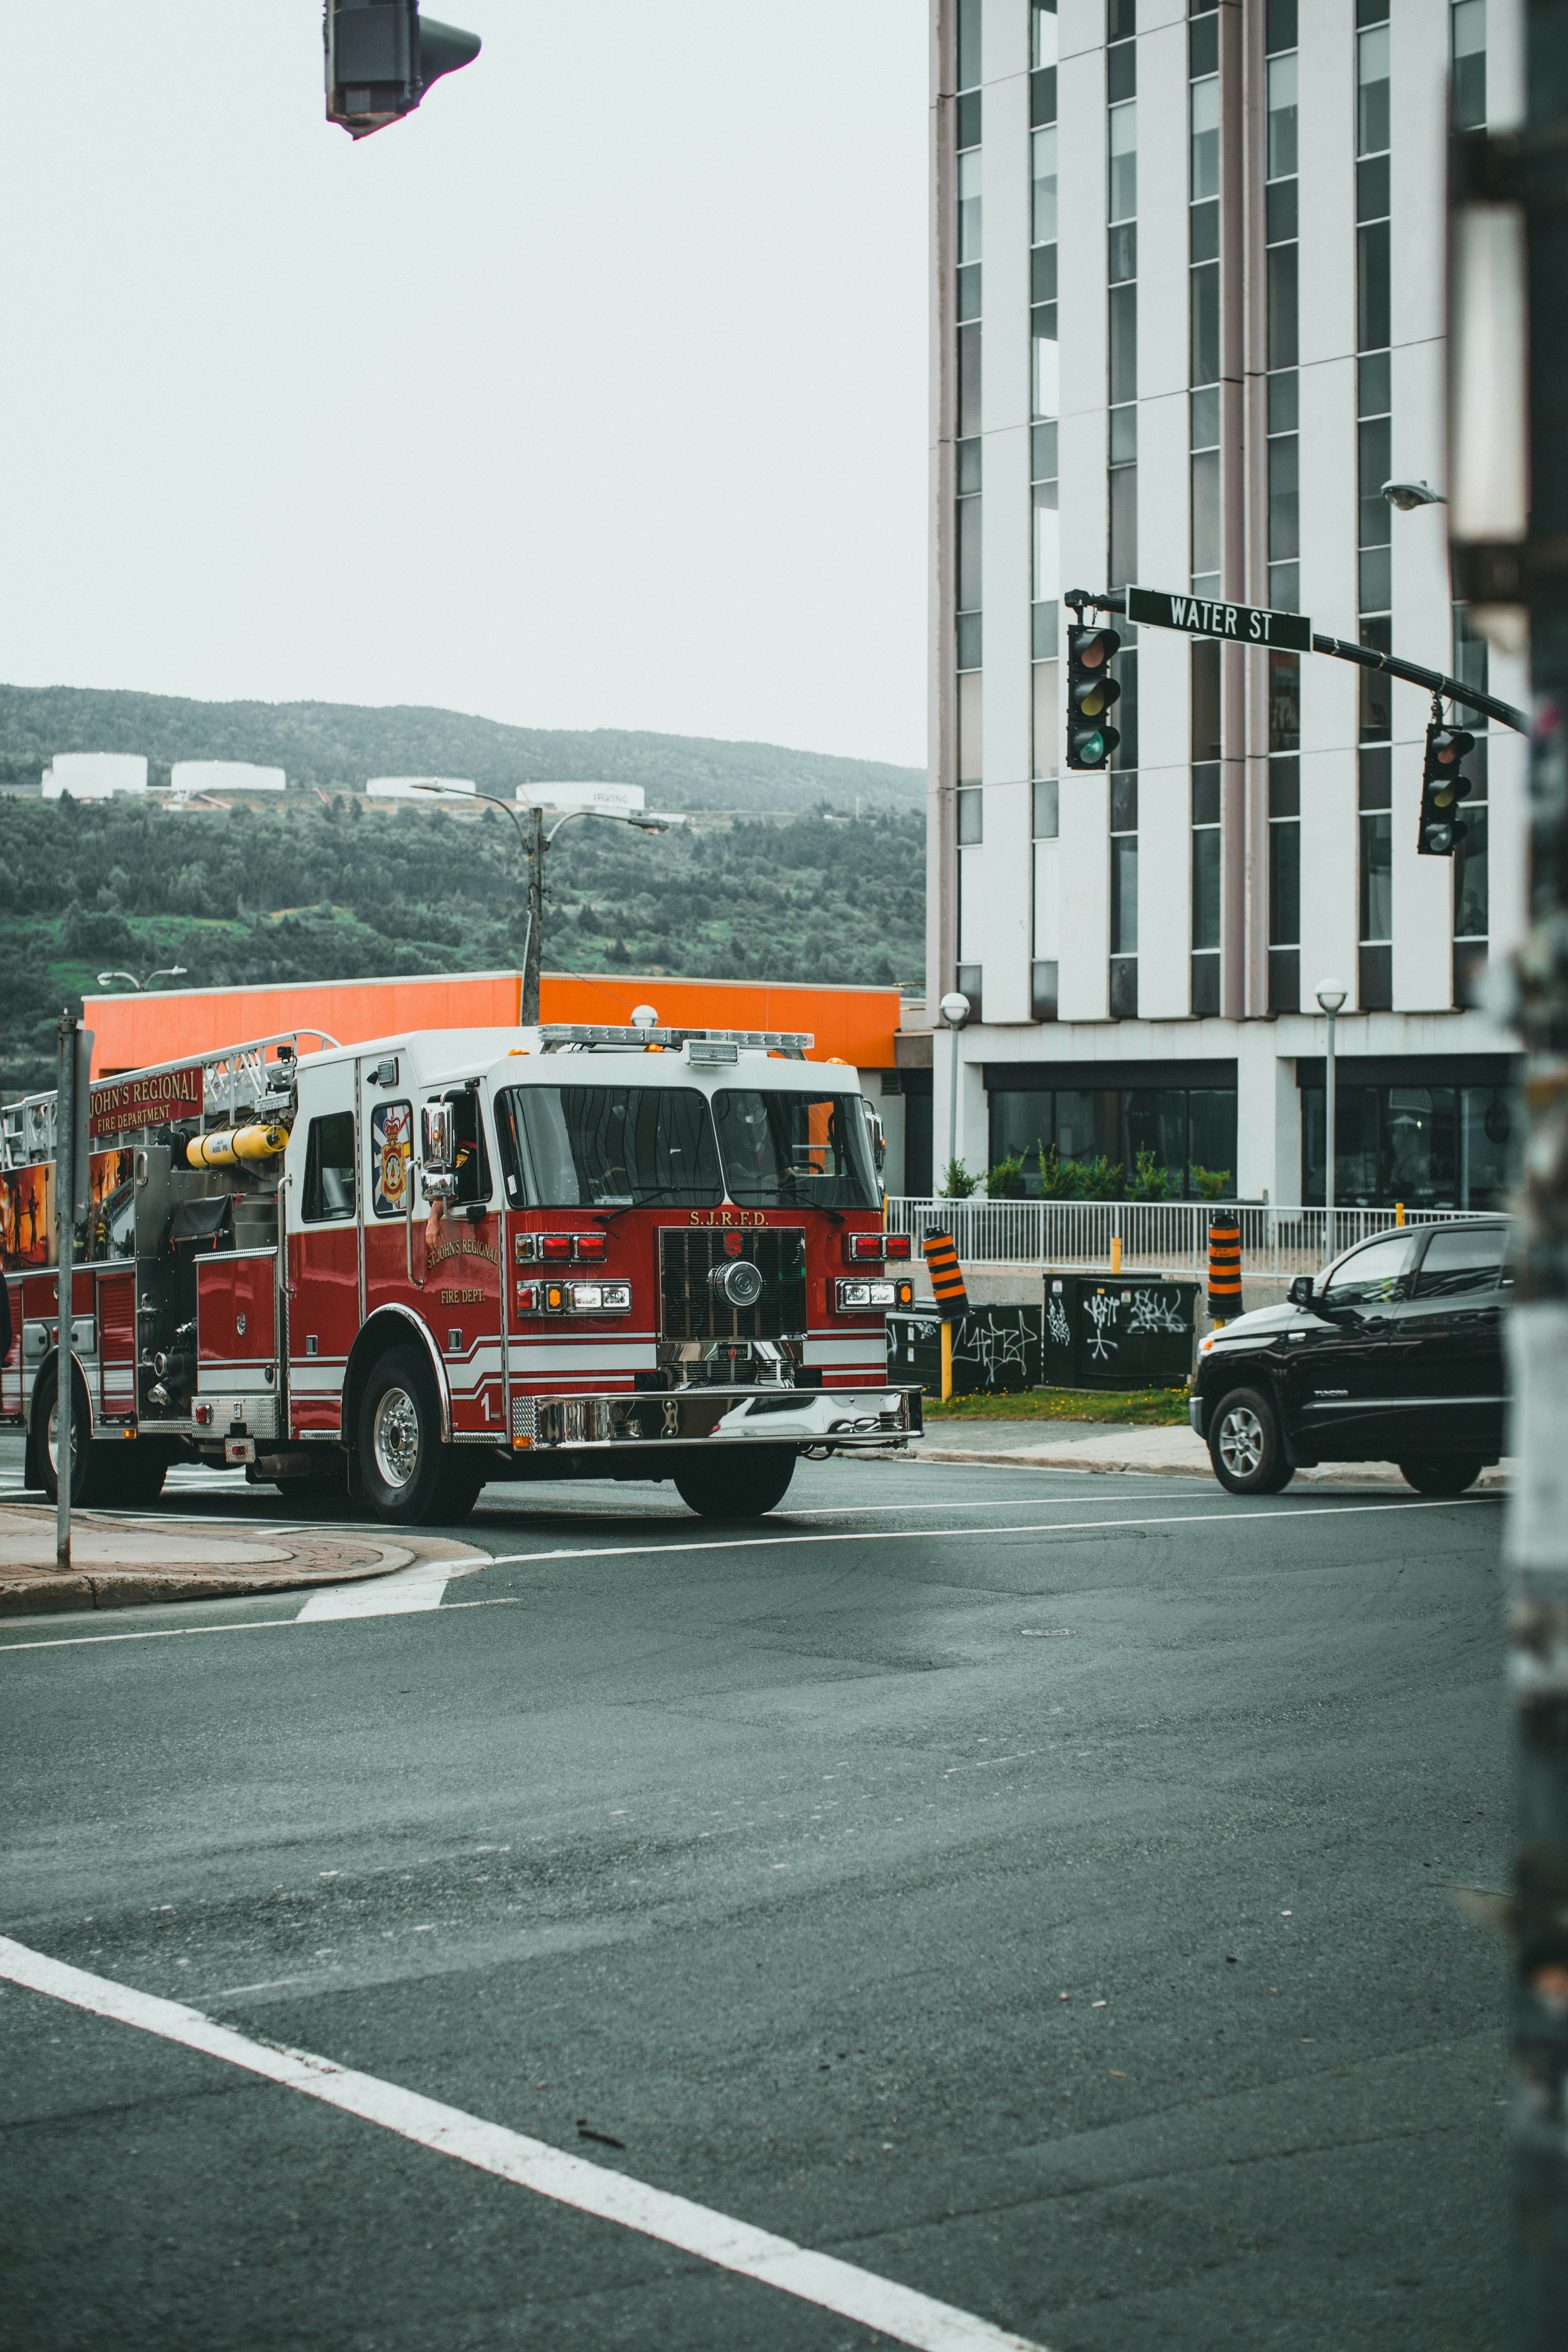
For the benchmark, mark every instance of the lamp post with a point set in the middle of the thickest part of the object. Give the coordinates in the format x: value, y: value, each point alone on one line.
x: 1330, y: 996
x: 955, y: 1011
x: 534, y: 843
x: 164, y: 971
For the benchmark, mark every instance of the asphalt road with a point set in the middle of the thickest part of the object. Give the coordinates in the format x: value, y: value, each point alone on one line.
x: 1031, y: 1888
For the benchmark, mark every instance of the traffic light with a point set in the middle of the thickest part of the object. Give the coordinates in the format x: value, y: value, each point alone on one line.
x: 1443, y: 784
x: 1091, y: 690
x: 382, y: 57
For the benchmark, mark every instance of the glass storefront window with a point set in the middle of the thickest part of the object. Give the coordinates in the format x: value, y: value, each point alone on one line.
x: 1180, y: 1126
x: 1428, y: 1147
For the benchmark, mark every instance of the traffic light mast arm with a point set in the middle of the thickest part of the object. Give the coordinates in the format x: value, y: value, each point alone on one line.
x: 1452, y: 689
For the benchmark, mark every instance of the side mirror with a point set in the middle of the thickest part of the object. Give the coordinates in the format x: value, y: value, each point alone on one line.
x: 440, y: 1154
x: 1300, y: 1291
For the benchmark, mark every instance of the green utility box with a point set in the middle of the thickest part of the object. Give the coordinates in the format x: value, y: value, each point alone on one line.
x: 1118, y: 1332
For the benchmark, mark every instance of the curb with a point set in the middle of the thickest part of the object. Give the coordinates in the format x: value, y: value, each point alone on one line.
x: 1338, y: 1474
x: 42, y: 1594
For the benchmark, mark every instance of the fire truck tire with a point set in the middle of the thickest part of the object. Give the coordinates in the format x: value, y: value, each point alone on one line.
x: 462, y: 1479
x: 401, y: 1458
x: 741, y: 1484
x: 92, y: 1460
x: 134, y: 1473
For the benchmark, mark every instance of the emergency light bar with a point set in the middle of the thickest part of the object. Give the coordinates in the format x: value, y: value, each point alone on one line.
x: 556, y: 1034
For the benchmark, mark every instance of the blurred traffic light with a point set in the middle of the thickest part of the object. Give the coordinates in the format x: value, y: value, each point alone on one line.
x: 382, y: 57
x: 1091, y: 690
x: 1444, y: 784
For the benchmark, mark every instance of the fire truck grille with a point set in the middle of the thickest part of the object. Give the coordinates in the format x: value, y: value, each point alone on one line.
x: 689, y: 1307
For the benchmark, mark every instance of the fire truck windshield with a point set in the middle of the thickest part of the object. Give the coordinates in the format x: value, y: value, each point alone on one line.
x: 608, y: 1147
x: 796, y: 1151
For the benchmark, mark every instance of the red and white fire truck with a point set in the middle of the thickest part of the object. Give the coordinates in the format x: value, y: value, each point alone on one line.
x: 401, y: 1269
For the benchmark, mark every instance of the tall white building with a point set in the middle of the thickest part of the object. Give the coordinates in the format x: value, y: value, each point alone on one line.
x: 1187, y: 318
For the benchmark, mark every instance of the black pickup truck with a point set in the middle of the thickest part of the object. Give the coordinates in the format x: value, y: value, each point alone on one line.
x: 1395, y: 1353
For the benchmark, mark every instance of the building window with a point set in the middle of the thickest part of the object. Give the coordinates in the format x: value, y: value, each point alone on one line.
x: 1376, y: 989
x: 1047, y: 592
x: 1121, y: 83
x: 1206, y: 492
x: 969, y: 44
x: 1470, y: 71
x: 1430, y: 1146
x: 1186, y: 1127
x: 1472, y: 912
x: 1205, y: 882
x: 1045, y: 826
x: 1375, y: 428
x: 968, y: 980
x: 1285, y: 883
x: 969, y: 748
x: 1123, y: 897
x: 969, y: 566
x: 1280, y: 214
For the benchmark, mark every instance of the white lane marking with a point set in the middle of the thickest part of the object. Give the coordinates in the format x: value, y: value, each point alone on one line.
x: 854, y: 2294
x: 419, y: 1586
x: 750, y: 1543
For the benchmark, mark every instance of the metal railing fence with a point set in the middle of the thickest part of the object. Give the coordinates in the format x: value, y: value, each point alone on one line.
x: 1156, y: 1236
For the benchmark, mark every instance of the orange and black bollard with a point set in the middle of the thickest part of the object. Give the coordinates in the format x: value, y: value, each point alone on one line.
x: 952, y: 1298
x: 1225, y: 1266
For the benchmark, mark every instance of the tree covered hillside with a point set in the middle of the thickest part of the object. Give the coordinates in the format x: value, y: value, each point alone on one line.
x: 338, y: 746
x: 296, y: 889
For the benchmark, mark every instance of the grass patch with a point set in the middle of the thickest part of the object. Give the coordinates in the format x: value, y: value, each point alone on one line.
x: 1135, y: 1408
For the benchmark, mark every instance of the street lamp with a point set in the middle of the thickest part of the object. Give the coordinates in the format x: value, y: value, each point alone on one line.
x: 1330, y: 997
x: 164, y: 971
x: 534, y: 843
x: 955, y: 1011
x: 1408, y: 495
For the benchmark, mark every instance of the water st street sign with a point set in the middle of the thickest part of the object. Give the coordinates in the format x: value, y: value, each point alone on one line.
x: 1238, y: 625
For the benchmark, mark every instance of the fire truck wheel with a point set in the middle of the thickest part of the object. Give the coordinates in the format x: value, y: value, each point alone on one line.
x: 741, y: 1484
x: 400, y: 1450
x: 134, y: 1473
x: 91, y: 1461
x: 462, y: 1478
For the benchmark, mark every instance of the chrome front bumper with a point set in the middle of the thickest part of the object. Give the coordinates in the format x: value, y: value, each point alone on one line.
x: 849, y: 1418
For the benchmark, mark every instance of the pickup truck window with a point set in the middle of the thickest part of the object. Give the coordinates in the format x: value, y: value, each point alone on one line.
x: 789, y: 1151
x: 1376, y: 1276
x: 609, y: 1148
x: 1460, y: 1258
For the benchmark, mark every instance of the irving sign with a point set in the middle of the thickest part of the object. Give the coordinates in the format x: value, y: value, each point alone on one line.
x: 122, y: 1105
x: 1236, y: 624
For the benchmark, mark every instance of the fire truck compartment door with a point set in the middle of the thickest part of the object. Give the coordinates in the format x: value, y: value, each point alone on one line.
x: 11, y: 1371
x: 237, y: 1314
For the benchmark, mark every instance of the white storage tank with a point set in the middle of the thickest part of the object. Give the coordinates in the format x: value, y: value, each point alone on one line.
x: 94, y: 775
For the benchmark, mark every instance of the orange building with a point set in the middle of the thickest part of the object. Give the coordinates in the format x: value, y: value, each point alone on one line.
x: 850, y: 1024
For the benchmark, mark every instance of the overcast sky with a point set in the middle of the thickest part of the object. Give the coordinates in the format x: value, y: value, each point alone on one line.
x: 593, y: 395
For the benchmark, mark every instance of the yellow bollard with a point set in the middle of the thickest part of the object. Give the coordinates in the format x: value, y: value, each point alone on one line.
x: 1115, y: 1252
x: 1399, y: 1212
x: 946, y: 1362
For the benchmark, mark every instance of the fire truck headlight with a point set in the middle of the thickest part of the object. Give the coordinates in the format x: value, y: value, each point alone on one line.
x: 855, y: 1296
x: 601, y: 1297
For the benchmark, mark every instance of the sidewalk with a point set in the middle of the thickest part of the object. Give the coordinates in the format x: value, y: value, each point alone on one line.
x: 1163, y: 1453
x: 117, y: 1563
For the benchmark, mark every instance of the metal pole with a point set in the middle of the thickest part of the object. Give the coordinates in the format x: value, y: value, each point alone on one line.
x: 1328, y: 1146
x: 952, y: 1103
x: 1537, y: 1530
x: 534, y: 941
x: 64, y: 1212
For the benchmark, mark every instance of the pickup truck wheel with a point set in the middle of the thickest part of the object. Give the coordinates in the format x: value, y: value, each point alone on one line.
x: 739, y: 1485
x: 1246, y: 1446
x: 1450, y: 1476
x: 401, y: 1454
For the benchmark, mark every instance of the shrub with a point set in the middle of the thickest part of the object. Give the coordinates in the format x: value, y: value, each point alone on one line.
x: 1058, y: 1178
x: 1150, y: 1181
x: 957, y: 1184
x: 1211, y: 1182
x: 1006, y: 1180
x: 1100, y: 1179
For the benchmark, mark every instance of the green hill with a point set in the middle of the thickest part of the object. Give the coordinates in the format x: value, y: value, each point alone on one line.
x: 337, y: 746
x: 297, y: 888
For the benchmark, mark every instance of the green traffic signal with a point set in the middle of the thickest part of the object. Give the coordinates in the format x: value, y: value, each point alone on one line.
x: 1091, y: 690
x: 1444, y: 784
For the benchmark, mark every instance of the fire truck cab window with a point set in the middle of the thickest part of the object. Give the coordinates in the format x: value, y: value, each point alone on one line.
x: 796, y: 1151
x: 609, y: 1148
x: 473, y: 1165
x: 330, y: 1168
